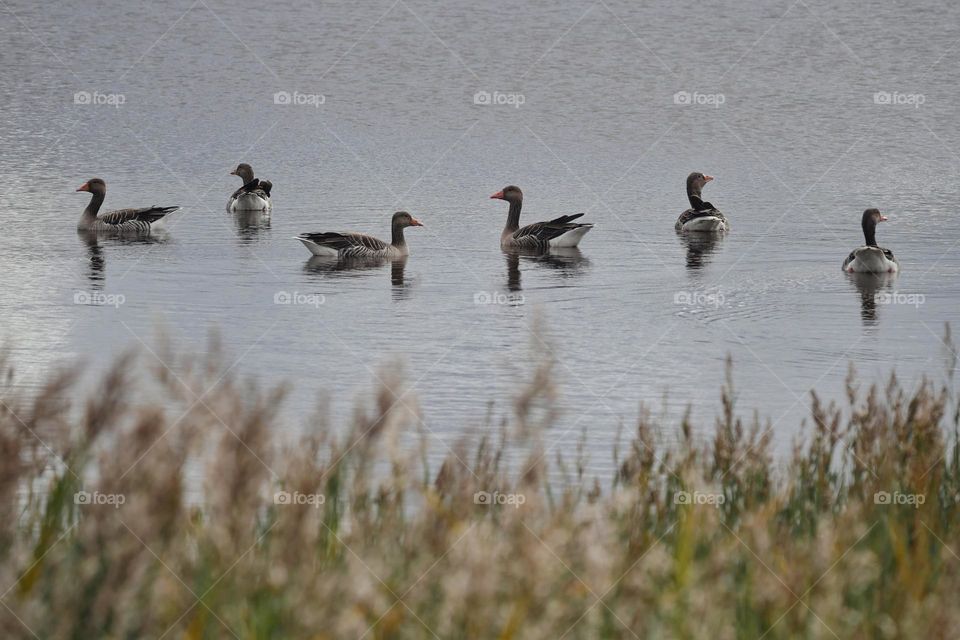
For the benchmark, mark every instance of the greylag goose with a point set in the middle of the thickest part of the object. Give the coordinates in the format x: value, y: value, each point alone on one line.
x: 871, y: 258
x: 702, y: 215
x: 254, y: 195
x: 360, y: 245
x: 559, y: 232
x: 119, y: 221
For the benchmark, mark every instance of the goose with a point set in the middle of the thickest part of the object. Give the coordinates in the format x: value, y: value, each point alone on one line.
x: 870, y: 258
x: 701, y: 216
x: 559, y: 232
x: 254, y: 195
x: 360, y: 245
x: 120, y: 221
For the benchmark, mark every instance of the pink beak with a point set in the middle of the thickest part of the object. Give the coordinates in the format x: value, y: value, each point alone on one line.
x: 708, y: 178
x: 883, y: 218
x: 416, y: 223
x: 84, y: 187
x: 497, y: 196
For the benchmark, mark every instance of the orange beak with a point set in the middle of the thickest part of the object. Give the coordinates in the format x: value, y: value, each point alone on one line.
x: 708, y: 178
x: 84, y: 187
x: 415, y: 223
x: 497, y: 196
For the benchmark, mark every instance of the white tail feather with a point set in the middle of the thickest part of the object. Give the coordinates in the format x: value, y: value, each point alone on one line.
x: 705, y: 223
x: 250, y: 202
x: 571, y: 238
x: 318, y: 249
x: 871, y: 260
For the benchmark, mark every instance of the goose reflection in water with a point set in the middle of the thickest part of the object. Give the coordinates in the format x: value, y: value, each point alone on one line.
x: 871, y: 286
x: 249, y: 224
x: 97, y: 272
x: 357, y: 267
x: 567, y: 262
x: 95, y: 243
x: 699, y: 246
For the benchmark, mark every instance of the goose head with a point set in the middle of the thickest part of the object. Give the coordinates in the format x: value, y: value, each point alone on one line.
x: 869, y: 221
x: 510, y: 193
x: 402, y: 220
x: 244, y: 171
x: 95, y: 186
x: 695, y: 183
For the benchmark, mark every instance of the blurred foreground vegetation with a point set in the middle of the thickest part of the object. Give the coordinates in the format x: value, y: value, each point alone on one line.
x: 347, y: 534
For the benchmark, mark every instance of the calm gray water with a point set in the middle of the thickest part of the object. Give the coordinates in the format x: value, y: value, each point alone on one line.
x: 806, y: 113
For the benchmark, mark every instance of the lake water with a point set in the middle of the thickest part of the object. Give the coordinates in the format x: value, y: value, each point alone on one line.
x: 806, y: 113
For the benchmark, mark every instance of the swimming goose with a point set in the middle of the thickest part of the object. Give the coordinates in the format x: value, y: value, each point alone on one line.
x: 870, y: 258
x: 254, y: 195
x: 559, y: 232
x: 119, y: 221
x: 702, y: 215
x: 360, y: 245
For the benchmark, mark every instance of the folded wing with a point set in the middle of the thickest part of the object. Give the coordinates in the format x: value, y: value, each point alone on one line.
x: 539, y: 234
x: 147, y: 215
x: 347, y: 244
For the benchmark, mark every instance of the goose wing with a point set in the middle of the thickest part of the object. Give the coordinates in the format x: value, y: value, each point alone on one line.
x: 850, y: 258
x: 260, y: 187
x: 541, y: 233
x: 347, y: 243
x: 146, y: 214
x: 699, y: 204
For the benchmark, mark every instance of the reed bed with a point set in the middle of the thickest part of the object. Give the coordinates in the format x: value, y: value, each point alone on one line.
x: 347, y: 534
